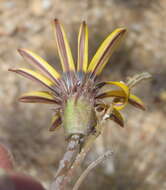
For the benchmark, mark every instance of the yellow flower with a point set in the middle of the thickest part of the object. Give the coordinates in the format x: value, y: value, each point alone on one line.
x: 77, y: 80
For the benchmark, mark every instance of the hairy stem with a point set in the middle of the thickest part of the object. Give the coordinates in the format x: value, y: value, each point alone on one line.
x: 72, y: 150
x: 85, y: 149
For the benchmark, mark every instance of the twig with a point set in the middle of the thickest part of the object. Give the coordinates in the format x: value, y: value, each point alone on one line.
x: 133, y: 81
x: 91, y: 167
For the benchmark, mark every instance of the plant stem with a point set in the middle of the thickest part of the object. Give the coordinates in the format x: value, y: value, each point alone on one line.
x: 133, y: 81
x: 91, y: 167
x: 66, y: 162
x: 85, y: 149
x: 72, y: 159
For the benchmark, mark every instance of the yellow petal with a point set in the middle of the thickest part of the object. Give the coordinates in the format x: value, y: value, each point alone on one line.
x: 121, y: 85
x: 113, y: 93
x: 34, y: 76
x: 137, y: 102
x: 38, y: 97
x: 40, y: 63
x: 125, y: 89
x: 117, y: 117
x: 82, y: 57
x: 64, y: 50
x: 133, y: 100
x: 105, y: 51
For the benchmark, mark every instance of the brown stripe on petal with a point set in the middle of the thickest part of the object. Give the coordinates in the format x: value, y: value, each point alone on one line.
x: 33, y: 78
x: 100, y: 85
x: 43, y: 69
x: 64, y: 52
x: 61, y: 45
x: 80, y: 54
x: 137, y: 105
x: 82, y: 57
x: 34, y: 99
x: 102, y: 59
x: 56, y: 122
x: 109, y: 95
x: 117, y: 120
x: 105, y: 56
x: 117, y: 117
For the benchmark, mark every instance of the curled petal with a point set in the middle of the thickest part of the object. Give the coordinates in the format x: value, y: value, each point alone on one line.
x: 137, y: 102
x: 133, y: 100
x: 126, y: 91
x: 113, y: 93
x: 117, y: 117
x: 105, y: 51
x: 39, y: 97
x: 121, y: 85
x: 82, y: 57
x: 35, y: 77
x: 101, y: 107
x: 56, y: 122
x: 40, y: 63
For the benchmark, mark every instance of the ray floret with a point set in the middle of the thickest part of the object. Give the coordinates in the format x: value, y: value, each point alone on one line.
x: 117, y: 117
x: 39, y: 97
x: 82, y: 57
x: 64, y: 51
x: 37, y: 77
x: 105, y: 51
x: 40, y: 63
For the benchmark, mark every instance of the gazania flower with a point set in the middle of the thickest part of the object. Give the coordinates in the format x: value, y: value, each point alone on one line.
x: 76, y: 92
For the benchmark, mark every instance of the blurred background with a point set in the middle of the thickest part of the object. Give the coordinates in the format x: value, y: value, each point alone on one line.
x: 139, y: 161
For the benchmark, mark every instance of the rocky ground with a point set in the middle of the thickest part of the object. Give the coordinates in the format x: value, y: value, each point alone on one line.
x: 139, y: 160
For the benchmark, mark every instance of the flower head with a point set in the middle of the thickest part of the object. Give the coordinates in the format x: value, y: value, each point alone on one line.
x: 75, y: 93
